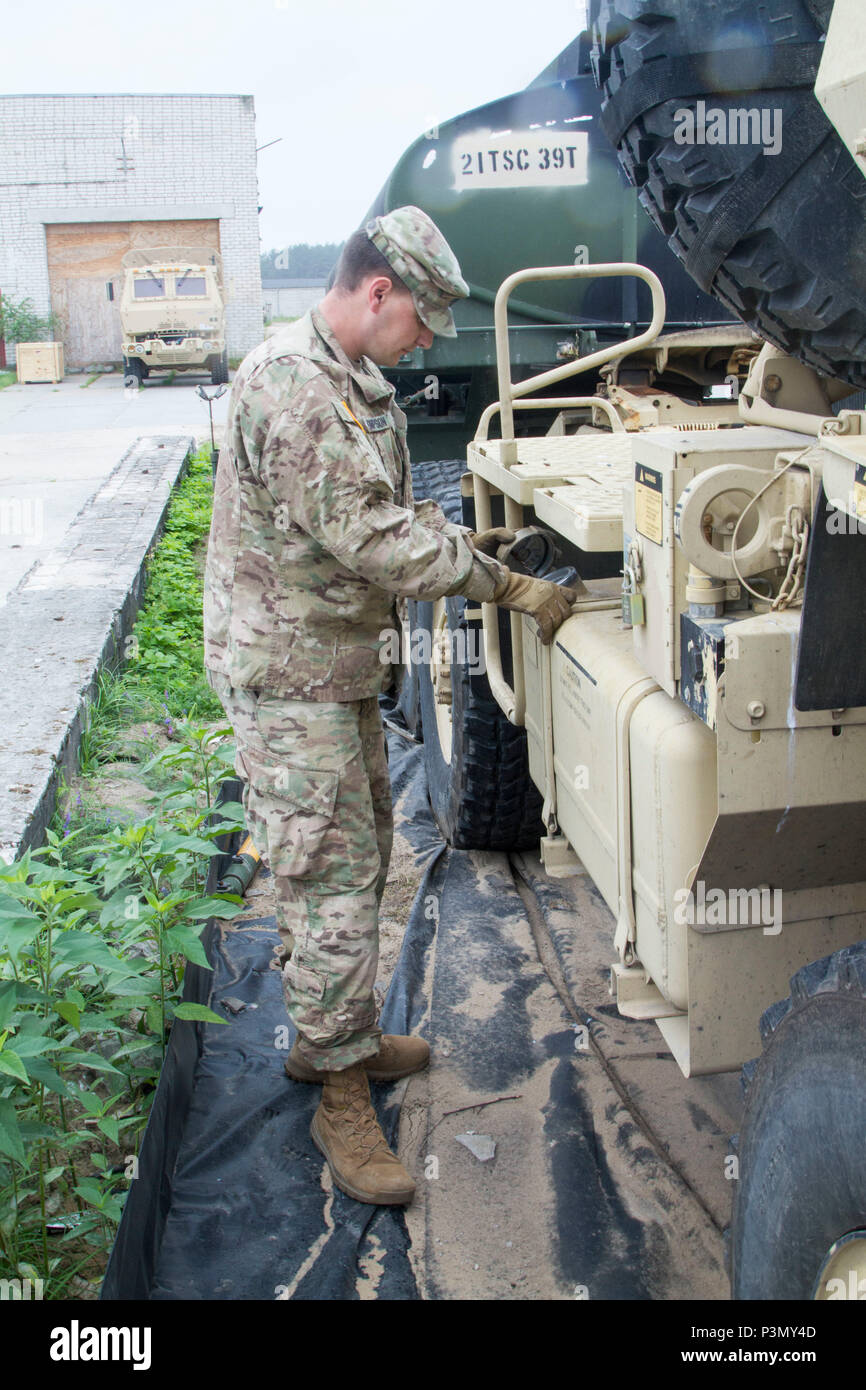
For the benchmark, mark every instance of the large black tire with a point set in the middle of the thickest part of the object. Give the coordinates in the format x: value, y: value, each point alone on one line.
x: 219, y: 369
x: 780, y: 239
x: 802, y: 1147
x: 482, y: 796
x: 133, y: 372
x: 439, y: 478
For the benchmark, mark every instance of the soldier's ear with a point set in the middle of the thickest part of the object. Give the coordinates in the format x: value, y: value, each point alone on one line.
x: 378, y: 290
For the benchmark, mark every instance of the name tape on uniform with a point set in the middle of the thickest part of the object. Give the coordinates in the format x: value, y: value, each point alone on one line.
x: 371, y: 424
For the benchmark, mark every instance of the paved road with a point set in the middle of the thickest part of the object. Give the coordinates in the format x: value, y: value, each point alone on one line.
x: 59, y: 442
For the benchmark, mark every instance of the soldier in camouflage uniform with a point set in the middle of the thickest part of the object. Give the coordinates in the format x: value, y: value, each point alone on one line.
x: 314, y: 537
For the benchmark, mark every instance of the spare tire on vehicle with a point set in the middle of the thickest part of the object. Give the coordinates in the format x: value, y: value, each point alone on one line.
x: 778, y: 236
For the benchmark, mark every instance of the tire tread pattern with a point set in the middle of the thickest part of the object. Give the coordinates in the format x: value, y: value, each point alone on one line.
x: 794, y: 269
x: 489, y: 801
x: 801, y: 1183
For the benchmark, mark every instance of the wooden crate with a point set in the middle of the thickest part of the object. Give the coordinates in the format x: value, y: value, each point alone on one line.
x: 39, y: 361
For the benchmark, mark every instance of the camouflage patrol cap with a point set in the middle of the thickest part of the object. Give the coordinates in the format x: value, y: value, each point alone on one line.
x: 418, y: 252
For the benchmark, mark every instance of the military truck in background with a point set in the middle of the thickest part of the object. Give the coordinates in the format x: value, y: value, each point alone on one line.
x: 694, y: 739
x: 172, y: 312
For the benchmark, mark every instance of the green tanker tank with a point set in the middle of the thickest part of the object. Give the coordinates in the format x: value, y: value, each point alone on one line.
x: 529, y: 179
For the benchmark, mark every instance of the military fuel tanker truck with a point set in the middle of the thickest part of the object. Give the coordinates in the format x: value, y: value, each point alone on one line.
x: 694, y: 738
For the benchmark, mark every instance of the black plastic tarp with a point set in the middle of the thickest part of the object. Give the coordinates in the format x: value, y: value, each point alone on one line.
x: 233, y: 1201
x: 228, y: 1204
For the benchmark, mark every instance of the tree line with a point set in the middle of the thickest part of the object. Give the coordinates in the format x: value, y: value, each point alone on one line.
x: 301, y: 261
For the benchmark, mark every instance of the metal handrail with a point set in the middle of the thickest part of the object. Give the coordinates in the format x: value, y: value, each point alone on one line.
x: 550, y: 403
x: 510, y: 391
x: 512, y: 702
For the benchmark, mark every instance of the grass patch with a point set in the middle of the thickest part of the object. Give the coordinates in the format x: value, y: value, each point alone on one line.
x: 165, y: 674
x: 7, y: 378
x: 98, y: 925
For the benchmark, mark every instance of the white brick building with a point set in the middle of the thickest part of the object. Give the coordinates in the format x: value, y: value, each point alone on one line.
x: 83, y: 179
x: 287, y: 298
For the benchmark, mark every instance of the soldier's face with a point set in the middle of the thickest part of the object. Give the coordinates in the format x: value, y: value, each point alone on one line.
x: 397, y: 327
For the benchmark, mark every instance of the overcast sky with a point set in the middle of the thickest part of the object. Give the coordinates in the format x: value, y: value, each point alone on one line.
x: 346, y: 85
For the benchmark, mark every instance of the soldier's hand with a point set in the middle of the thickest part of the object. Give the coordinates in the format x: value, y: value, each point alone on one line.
x: 488, y: 542
x: 549, y: 604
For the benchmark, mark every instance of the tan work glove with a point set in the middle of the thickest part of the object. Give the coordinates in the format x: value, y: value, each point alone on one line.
x: 488, y: 542
x: 549, y: 604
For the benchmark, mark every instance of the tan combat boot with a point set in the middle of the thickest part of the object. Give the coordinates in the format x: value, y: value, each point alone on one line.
x: 346, y: 1131
x: 397, y: 1056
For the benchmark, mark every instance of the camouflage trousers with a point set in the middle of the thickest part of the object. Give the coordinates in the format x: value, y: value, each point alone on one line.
x: 318, y: 801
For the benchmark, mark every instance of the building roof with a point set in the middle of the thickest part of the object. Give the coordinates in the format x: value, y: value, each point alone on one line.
x: 141, y: 96
x: 283, y: 282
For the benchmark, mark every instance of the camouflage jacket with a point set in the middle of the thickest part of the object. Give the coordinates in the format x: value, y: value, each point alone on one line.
x: 314, y: 532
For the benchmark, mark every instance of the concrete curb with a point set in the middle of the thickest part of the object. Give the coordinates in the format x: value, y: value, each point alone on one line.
x: 65, y: 621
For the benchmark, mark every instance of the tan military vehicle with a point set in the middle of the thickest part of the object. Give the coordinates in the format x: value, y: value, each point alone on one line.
x: 172, y: 312
x: 694, y: 739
